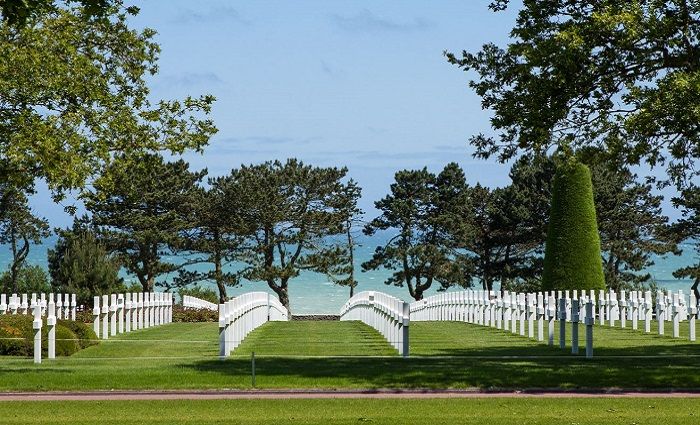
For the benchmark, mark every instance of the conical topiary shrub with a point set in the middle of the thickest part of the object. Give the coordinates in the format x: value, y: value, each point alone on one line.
x: 572, y: 257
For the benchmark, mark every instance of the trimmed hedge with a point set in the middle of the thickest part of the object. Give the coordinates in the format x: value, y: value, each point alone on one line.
x: 17, y: 336
x: 572, y: 257
x: 181, y: 314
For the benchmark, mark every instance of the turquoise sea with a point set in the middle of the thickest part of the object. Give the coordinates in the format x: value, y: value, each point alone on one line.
x: 313, y: 293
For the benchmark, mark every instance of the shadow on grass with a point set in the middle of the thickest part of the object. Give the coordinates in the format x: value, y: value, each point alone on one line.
x: 563, y: 373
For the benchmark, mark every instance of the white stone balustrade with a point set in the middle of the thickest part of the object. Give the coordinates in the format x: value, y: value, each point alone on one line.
x: 390, y: 316
x: 194, y: 302
x: 244, y: 313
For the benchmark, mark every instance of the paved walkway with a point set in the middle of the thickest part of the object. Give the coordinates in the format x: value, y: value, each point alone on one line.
x: 294, y: 394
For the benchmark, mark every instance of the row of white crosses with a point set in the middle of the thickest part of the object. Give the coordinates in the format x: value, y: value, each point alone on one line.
x: 510, y: 311
x: 65, y: 304
x: 244, y: 313
x: 194, y: 302
x: 389, y: 315
x: 53, y: 310
x: 123, y: 313
x: 637, y: 306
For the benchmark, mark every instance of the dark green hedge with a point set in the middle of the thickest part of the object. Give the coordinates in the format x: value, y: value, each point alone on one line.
x: 181, y: 314
x: 572, y: 255
x: 17, y: 336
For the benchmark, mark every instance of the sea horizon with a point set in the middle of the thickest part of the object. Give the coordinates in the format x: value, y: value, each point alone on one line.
x: 314, y: 293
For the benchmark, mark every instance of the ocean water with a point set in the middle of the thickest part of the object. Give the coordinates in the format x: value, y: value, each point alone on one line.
x: 314, y: 293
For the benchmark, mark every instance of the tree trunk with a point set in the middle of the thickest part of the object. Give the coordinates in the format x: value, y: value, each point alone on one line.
x: 217, y: 269
x: 694, y: 288
x: 282, y: 293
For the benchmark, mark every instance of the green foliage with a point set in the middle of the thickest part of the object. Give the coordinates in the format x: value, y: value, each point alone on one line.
x: 80, y: 264
x: 205, y: 294
x: 572, y: 254
x: 82, y: 330
x: 342, y: 270
x: 212, y: 240
x: 631, y: 224
x: 427, y: 211
x: 30, y: 279
x: 73, y: 93
x: 18, y: 228
x: 143, y: 206
x: 688, y: 227
x: 191, y: 315
x: 286, y: 212
x: 623, y: 75
x: 17, y: 12
x: 66, y: 341
x: 17, y: 336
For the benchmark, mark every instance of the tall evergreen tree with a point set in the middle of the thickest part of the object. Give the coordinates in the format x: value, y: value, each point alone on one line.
x: 79, y: 264
x: 572, y: 258
x: 427, y: 211
x: 143, y: 207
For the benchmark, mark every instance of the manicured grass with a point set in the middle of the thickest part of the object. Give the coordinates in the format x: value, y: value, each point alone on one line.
x: 444, y: 355
x: 173, y: 340
x: 315, y: 338
x: 461, y: 339
x: 336, y: 411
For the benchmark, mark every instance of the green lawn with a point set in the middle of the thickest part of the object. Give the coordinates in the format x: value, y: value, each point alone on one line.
x: 315, y: 338
x: 444, y: 355
x: 335, y: 411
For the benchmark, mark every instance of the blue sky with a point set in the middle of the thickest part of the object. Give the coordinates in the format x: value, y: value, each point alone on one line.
x: 355, y: 83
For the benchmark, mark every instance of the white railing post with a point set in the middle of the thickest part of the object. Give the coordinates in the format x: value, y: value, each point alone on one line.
x: 590, y: 319
x: 127, y: 309
x: 66, y: 306
x: 105, y: 316
x: 51, y: 323
x: 405, y: 321
x: 574, y: 326
x: 36, y: 325
x: 647, y: 312
x: 120, y: 313
x: 95, y: 314
x: 223, y: 346
x: 112, y: 314
x: 540, y: 317
x: 634, y: 301
x: 551, y: 314
x: 676, y: 312
x: 59, y: 305
x: 623, y: 309
x: 692, y: 316
x: 73, y: 307
x: 660, y: 311
x: 562, y: 323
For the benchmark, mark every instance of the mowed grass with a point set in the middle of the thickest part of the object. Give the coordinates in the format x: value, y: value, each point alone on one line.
x: 462, y: 339
x: 173, y: 340
x: 315, y: 338
x: 291, y: 355
x: 351, y: 411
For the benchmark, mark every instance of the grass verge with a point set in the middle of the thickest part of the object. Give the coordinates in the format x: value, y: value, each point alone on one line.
x: 336, y: 411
